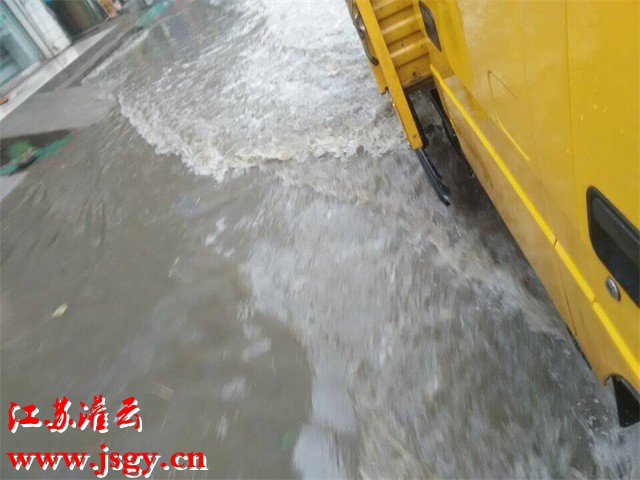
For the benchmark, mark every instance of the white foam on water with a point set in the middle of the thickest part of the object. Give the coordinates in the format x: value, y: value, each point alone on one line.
x: 288, y: 83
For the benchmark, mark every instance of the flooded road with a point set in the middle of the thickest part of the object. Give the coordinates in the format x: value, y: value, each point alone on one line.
x: 247, y: 246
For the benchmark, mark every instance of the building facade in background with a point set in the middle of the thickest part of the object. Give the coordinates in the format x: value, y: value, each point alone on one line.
x: 33, y: 31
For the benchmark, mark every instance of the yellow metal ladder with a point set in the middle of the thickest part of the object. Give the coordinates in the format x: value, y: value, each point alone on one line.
x: 395, y: 41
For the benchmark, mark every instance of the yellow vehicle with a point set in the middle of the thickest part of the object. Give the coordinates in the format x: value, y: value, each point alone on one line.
x: 543, y: 98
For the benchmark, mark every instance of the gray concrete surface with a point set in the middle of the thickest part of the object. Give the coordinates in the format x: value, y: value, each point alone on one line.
x: 7, y: 184
x: 63, y: 109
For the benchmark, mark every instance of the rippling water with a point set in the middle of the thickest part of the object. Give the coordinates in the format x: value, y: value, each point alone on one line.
x: 432, y: 347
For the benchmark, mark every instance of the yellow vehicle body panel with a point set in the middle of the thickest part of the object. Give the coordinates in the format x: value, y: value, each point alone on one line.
x: 544, y: 98
x: 603, y: 74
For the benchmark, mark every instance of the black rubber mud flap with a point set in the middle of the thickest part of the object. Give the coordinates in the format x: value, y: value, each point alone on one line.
x: 430, y: 169
x: 446, y: 123
x: 627, y: 402
x: 434, y: 177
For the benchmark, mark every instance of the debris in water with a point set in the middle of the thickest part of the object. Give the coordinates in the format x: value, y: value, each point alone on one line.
x: 289, y: 439
x: 22, y: 154
x: 60, y: 311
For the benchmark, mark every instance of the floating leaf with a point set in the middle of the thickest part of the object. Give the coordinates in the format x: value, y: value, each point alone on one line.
x: 60, y: 311
x: 289, y: 439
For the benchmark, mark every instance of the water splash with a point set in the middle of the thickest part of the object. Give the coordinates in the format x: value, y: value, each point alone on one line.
x: 450, y: 356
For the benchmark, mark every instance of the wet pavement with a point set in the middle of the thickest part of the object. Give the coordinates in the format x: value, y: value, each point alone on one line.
x: 247, y: 246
